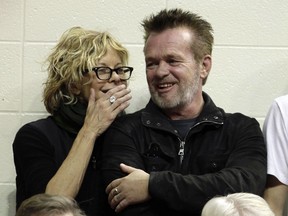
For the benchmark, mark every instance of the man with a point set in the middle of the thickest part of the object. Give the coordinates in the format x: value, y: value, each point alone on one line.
x: 186, y: 150
x: 275, y: 131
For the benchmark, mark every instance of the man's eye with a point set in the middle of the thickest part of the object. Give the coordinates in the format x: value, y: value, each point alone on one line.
x: 150, y: 65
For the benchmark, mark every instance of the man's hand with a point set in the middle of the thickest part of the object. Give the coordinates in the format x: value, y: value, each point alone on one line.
x: 128, y: 190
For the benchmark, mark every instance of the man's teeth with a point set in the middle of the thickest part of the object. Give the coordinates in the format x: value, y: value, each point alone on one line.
x: 165, y: 85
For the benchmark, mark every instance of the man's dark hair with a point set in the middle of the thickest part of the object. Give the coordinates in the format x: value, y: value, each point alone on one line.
x: 174, y: 18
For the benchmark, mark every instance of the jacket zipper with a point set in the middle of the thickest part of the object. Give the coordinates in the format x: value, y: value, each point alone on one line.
x: 181, y: 151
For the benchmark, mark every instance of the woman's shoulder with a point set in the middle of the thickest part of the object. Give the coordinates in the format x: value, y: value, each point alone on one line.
x: 44, y: 124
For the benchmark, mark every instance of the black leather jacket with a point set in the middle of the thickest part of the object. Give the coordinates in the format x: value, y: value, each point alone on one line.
x: 222, y: 153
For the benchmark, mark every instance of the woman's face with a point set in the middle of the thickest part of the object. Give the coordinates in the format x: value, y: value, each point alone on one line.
x: 110, y: 59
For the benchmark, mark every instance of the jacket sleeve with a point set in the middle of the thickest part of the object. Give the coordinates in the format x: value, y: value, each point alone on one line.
x: 244, y: 171
x: 118, y: 147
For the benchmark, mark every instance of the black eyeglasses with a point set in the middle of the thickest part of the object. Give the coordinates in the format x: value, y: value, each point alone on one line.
x: 105, y: 73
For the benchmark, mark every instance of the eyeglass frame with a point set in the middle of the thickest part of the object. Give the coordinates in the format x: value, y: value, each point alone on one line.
x: 95, y: 69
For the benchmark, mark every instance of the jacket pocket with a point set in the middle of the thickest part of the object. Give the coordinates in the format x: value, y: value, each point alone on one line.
x: 155, y: 159
x: 211, y: 163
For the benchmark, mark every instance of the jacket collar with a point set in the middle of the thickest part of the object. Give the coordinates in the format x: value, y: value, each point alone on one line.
x: 210, y: 112
x: 153, y: 116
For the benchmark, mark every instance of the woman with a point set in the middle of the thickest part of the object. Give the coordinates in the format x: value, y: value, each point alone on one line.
x: 85, y: 91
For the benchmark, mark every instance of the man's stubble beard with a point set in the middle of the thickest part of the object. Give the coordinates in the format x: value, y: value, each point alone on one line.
x: 185, y: 95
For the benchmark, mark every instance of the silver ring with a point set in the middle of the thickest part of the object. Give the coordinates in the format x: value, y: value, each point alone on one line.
x: 112, y: 99
x: 116, y: 191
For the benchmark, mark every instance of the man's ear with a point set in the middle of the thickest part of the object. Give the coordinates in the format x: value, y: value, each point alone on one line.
x: 206, y: 67
x: 75, y: 88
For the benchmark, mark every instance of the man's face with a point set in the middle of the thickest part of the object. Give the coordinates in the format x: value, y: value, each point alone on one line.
x: 173, y: 75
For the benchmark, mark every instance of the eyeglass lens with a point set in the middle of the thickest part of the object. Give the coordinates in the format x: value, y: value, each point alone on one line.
x: 105, y: 73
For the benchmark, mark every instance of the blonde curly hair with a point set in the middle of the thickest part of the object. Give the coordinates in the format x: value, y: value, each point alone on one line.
x: 78, y: 49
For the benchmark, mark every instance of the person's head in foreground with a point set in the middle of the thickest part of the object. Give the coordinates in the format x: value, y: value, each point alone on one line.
x: 49, y: 205
x: 237, y: 204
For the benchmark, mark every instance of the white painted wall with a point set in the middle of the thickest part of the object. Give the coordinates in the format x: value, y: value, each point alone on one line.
x: 249, y: 60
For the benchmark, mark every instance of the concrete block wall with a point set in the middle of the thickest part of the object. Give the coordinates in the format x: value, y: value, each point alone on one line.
x: 249, y: 60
